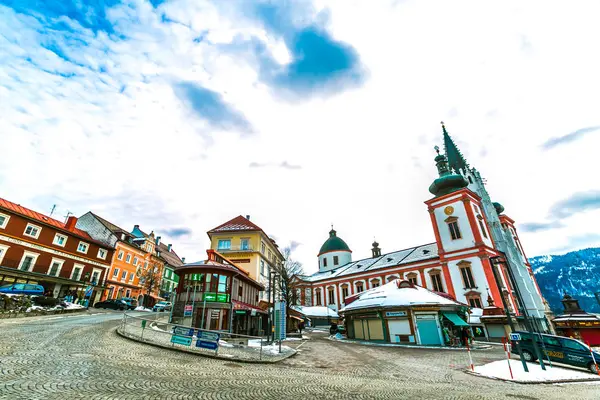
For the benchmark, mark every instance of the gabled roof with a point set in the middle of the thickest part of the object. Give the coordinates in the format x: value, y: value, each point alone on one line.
x: 26, y: 212
x: 389, y: 260
x: 169, y: 256
x: 239, y: 223
x: 110, y: 226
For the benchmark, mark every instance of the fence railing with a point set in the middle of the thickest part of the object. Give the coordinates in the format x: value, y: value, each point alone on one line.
x: 155, y: 329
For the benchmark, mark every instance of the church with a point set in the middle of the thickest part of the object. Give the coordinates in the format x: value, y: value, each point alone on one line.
x: 476, y: 259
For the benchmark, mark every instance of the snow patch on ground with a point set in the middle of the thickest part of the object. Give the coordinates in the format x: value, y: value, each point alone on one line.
x: 140, y: 308
x: 499, y: 369
x: 72, y: 306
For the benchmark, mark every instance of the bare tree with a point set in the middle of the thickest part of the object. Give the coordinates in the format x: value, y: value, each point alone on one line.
x: 150, y: 278
x: 287, y: 271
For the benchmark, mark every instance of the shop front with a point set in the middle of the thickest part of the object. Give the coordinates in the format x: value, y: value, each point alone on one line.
x: 401, y: 312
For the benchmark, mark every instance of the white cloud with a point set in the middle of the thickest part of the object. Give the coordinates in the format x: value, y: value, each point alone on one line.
x: 504, y: 78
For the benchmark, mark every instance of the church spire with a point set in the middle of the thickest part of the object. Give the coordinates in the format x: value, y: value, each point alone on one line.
x: 456, y: 161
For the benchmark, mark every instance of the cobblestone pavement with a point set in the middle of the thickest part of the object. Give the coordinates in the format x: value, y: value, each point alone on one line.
x: 80, y: 356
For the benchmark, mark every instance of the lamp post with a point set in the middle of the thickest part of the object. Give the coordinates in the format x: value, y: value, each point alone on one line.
x: 496, y: 261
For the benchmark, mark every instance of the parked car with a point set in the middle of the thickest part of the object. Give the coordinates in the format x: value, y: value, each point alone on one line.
x: 559, y: 349
x: 112, y: 304
x: 162, y: 306
x: 131, y: 303
x: 23, y: 288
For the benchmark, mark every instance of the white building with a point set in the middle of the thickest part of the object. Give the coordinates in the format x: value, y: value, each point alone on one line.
x: 470, y: 233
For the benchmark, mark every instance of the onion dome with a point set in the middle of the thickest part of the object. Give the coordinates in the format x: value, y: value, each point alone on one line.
x: 499, y: 207
x: 333, y: 243
x: 447, y: 182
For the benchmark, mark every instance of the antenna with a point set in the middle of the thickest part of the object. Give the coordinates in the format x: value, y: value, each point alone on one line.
x: 52, y: 211
x: 69, y: 213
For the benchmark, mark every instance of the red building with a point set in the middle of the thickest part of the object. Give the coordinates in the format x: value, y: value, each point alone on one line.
x: 38, y: 249
x: 577, y: 323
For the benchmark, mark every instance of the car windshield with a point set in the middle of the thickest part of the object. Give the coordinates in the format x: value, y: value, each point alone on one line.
x: 162, y: 303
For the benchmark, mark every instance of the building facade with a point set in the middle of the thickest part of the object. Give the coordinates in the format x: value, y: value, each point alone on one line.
x: 215, y: 294
x: 470, y: 233
x: 246, y: 245
x: 38, y: 249
x: 170, y: 279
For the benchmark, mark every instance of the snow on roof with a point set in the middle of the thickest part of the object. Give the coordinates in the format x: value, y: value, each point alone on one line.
x: 316, y: 311
x: 390, y: 295
x: 414, y: 254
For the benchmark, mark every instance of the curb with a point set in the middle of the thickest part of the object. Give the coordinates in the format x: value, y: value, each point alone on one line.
x: 582, y: 380
x: 183, y: 350
x: 405, y: 346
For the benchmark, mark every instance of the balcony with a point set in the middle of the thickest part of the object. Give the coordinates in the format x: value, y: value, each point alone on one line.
x: 233, y: 249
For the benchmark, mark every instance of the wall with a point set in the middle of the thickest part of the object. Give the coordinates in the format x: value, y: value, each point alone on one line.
x: 467, y: 240
x: 345, y: 257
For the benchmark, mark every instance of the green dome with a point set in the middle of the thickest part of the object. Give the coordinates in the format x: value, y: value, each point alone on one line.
x: 334, y: 243
x: 447, y: 182
x: 499, y: 208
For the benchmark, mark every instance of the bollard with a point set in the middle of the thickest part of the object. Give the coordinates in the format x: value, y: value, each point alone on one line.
x: 470, y: 358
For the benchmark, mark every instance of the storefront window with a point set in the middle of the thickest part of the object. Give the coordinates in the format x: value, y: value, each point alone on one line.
x: 222, y: 284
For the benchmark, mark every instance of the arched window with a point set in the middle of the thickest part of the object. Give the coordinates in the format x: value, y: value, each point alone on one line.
x: 330, y: 295
x: 474, y: 299
x: 359, y: 287
x: 392, y: 277
x: 344, y: 291
x: 482, y: 226
x: 375, y: 282
x: 318, y: 297
x: 466, y: 274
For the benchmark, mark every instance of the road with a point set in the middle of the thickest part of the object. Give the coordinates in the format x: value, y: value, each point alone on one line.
x: 80, y: 356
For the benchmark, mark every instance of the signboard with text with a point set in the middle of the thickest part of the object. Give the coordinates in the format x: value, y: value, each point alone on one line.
x: 216, y: 297
x: 187, y: 310
x: 395, y: 314
x: 183, y: 340
x: 182, y: 331
x: 207, y: 345
x: 515, y: 337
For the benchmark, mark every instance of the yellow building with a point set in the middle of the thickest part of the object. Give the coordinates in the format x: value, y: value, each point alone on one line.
x: 248, y: 246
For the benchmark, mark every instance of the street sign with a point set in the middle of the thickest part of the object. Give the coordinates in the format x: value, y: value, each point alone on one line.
x: 184, y: 340
x: 241, y: 312
x: 395, y: 314
x: 515, y: 337
x: 181, y: 331
x: 207, y: 345
x: 143, y: 323
x: 187, y: 311
x: 208, y: 336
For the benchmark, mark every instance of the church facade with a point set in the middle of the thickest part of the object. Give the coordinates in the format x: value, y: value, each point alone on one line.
x: 477, y: 257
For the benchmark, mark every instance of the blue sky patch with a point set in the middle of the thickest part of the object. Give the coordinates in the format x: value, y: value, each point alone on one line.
x: 211, y: 107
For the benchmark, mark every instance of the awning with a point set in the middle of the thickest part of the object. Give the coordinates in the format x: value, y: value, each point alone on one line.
x: 455, y: 319
x: 155, y: 297
x: 294, y: 317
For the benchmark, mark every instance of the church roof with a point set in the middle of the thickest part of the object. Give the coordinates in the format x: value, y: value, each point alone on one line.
x: 401, y: 257
x: 334, y: 243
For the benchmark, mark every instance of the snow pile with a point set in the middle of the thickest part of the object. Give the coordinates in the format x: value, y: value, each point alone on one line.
x: 34, y: 308
x: 390, y: 295
x: 499, y: 369
x: 316, y: 311
x: 141, y: 308
x: 72, y: 306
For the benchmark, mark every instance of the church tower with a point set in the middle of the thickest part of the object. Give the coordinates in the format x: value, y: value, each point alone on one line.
x: 502, y: 232
x: 334, y: 253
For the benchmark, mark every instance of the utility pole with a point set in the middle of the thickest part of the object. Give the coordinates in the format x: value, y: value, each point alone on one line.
x: 268, y: 307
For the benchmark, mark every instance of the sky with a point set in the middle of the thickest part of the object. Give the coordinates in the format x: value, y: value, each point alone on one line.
x: 179, y: 115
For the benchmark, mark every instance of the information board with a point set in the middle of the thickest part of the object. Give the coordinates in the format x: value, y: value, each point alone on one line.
x: 183, y: 340
x: 187, y: 311
x: 183, y: 331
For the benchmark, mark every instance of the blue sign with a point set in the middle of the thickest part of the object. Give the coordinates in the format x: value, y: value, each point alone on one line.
x: 206, y: 344
x: 184, y: 340
x: 181, y: 331
x: 515, y: 337
x: 208, y: 336
x: 88, y: 291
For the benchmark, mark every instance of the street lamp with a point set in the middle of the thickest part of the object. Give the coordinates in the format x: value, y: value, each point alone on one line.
x: 497, y: 261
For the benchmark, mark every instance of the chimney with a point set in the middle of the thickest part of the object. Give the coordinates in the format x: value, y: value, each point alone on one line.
x: 157, y: 240
x: 169, y: 247
x: 248, y: 217
x: 71, y: 221
x: 123, y: 236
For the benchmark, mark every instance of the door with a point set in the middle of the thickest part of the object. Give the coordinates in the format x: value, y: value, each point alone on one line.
x: 575, y: 353
x: 358, y: 329
x: 375, y: 329
x: 428, y: 330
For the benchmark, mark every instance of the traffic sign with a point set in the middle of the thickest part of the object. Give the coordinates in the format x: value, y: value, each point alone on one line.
x: 184, y: 340
x: 206, y: 344
x: 209, y: 336
x: 515, y: 337
x: 181, y: 331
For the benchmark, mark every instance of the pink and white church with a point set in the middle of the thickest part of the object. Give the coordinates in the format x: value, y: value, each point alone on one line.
x: 477, y: 257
